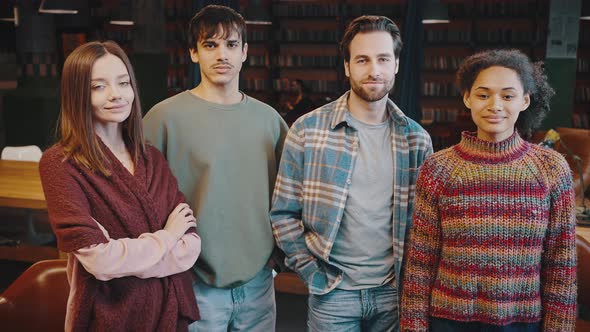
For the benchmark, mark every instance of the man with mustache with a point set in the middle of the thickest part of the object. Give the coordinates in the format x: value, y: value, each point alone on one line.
x: 344, y: 194
x: 224, y: 148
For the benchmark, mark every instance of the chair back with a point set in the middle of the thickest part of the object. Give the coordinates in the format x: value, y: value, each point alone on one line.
x: 24, y: 153
x: 37, y: 299
x: 578, y: 141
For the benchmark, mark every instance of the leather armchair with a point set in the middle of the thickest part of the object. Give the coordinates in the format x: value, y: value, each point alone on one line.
x: 37, y: 299
x: 583, y: 248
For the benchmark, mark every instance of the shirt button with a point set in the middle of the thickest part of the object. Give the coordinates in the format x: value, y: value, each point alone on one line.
x: 348, y: 181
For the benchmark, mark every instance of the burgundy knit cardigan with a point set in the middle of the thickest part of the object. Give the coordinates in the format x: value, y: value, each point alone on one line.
x: 126, y: 206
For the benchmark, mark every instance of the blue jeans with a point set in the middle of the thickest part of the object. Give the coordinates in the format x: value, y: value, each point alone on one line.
x: 249, y: 307
x: 446, y: 325
x: 373, y: 309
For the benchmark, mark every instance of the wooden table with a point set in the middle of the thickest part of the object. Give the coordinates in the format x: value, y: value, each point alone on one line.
x: 584, y: 232
x: 20, y: 187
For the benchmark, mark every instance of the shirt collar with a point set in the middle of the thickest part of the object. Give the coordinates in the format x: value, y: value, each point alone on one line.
x: 341, y: 109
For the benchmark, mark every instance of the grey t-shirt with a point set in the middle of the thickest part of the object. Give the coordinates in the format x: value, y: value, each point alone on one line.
x: 363, y: 248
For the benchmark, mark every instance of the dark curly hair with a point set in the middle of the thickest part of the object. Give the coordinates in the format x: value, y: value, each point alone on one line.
x: 531, y: 75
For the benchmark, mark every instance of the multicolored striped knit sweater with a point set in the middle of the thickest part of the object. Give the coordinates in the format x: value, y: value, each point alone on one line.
x: 493, y: 237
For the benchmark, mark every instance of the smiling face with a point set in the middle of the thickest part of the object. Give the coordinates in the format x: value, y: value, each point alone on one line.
x: 111, y: 92
x: 220, y: 59
x: 372, y: 66
x: 496, y: 99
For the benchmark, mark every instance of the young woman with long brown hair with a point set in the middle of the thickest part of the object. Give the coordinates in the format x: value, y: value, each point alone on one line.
x: 115, y: 206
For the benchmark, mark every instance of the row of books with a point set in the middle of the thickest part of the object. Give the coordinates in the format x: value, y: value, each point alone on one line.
x: 332, y: 9
x: 583, y: 65
x: 317, y: 86
x: 257, y: 35
x: 326, y: 36
x: 177, y: 14
x: 306, y: 10
x: 176, y: 34
x: 447, y: 36
x: 391, y: 10
x: 509, y: 8
x: 508, y: 35
x: 582, y: 94
x: 284, y: 85
x: 439, y: 89
x: 494, y: 8
x: 256, y: 84
x: 38, y: 58
x: 430, y: 115
x: 432, y: 36
x: 442, y: 62
x: 37, y: 65
x: 178, y: 56
x: 37, y: 70
x: 258, y: 60
x: 285, y: 60
x: 487, y: 8
x: 581, y: 119
x: 307, y: 61
x: 264, y: 85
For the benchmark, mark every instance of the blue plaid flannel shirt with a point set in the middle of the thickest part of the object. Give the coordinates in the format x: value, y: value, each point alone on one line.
x: 313, y: 181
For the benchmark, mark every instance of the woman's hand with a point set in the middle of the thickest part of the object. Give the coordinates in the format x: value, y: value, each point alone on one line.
x: 180, y: 220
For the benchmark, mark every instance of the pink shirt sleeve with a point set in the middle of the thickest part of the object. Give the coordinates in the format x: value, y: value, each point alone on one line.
x: 151, y: 255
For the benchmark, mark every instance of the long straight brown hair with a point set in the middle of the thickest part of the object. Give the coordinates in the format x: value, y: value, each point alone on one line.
x: 76, y: 123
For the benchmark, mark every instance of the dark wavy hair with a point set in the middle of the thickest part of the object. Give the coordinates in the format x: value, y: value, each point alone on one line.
x: 213, y: 19
x: 370, y: 23
x: 531, y: 75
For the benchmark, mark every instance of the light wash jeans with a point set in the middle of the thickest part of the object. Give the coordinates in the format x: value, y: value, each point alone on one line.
x: 250, y: 307
x: 373, y: 309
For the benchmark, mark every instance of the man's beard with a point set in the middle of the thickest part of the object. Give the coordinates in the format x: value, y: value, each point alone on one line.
x: 372, y: 95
